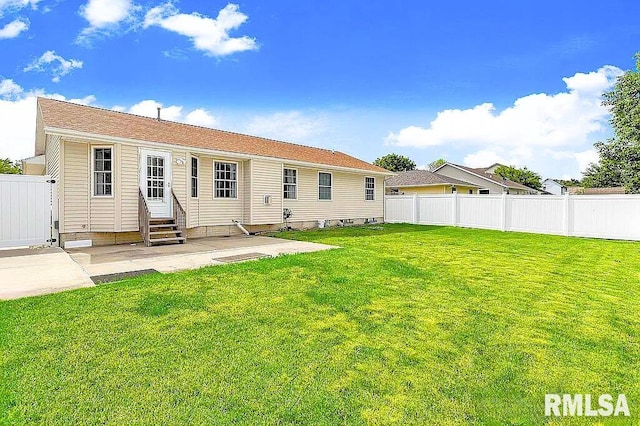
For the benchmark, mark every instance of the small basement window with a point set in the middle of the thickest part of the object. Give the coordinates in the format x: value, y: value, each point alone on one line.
x: 102, y: 172
x: 483, y: 191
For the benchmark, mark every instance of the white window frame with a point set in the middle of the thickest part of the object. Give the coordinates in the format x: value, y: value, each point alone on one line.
x: 236, y: 180
x: 480, y: 191
x: 330, y: 187
x: 93, y: 149
x: 197, y: 177
x: 365, y: 188
x: 295, y: 185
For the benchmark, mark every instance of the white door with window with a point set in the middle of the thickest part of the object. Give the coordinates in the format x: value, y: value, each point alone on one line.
x: 155, y: 181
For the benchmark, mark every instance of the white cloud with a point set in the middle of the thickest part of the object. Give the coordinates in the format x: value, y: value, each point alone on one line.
x: 292, y: 126
x: 18, y: 118
x: 564, y: 121
x: 104, y: 17
x: 207, y: 34
x: 14, y: 28
x: 15, y: 5
x: 200, y: 117
x: 587, y: 157
x: 57, y: 65
x: 149, y: 108
x: 9, y: 89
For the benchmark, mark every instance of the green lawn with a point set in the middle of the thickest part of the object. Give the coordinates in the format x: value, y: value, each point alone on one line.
x: 404, y: 324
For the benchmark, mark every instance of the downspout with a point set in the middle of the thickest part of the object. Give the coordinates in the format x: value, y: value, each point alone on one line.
x: 242, y: 228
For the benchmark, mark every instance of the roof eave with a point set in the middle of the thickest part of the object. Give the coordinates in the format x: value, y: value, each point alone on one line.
x: 88, y: 137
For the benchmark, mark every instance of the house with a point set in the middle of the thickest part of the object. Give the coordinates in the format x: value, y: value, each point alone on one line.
x: 125, y: 178
x: 425, y: 182
x: 488, y: 182
x: 612, y: 190
x: 553, y: 187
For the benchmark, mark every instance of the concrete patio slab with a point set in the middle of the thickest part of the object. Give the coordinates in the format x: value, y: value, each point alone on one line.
x: 196, y: 253
x: 30, y: 272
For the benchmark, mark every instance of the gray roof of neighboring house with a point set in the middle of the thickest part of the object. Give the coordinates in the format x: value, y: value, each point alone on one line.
x: 496, y: 178
x: 423, y: 178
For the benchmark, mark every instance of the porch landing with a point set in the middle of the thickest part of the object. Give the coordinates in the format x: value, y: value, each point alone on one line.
x: 195, y: 253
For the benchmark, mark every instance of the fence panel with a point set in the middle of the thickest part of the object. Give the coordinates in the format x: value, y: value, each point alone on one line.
x: 539, y: 214
x: 480, y: 211
x: 435, y: 210
x: 399, y: 208
x: 611, y: 216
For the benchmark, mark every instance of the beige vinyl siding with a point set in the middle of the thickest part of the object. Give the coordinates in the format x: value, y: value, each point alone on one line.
x: 266, y: 179
x: 347, y: 197
x: 179, y: 177
x: 193, y: 204
x: 455, y: 173
x: 52, y: 157
x: 75, y: 216
x: 218, y: 211
x: 127, y: 190
x: 247, y: 213
x: 433, y: 189
x: 41, y: 137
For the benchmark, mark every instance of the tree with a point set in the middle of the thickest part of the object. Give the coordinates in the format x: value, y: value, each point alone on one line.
x: 9, y: 167
x: 435, y: 164
x: 619, y: 157
x: 523, y: 176
x: 395, y: 163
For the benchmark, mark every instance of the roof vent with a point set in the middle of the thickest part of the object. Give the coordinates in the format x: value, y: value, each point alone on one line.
x: 159, y: 108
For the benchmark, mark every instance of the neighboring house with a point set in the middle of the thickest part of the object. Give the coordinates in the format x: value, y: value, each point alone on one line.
x: 485, y: 178
x: 579, y: 190
x: 120, y: 175
x: 553, y: 187
x: 425, y: 182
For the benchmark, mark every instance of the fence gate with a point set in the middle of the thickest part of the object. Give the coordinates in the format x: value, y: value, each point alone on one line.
x: 28, y: 209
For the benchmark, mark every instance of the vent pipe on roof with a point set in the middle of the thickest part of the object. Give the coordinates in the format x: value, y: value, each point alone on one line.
x: 159, y: 108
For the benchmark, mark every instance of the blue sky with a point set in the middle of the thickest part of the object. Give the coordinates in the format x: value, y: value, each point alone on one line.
x: 473, y: 82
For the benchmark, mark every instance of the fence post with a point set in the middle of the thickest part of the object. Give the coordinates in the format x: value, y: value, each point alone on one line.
x: 503, y: 212
x: 565, y: 215
x: 454, y: 209
x: 416, y: 213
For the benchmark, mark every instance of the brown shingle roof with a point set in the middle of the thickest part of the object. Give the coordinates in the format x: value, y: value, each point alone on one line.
x: 423, y: 177
x: 578, y: 190
x: 92, y: 120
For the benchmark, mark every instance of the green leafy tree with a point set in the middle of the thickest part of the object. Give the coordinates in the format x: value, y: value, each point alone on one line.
x: 523, y: 176
x: 619, y: 157
x: 395, y: 163
x: 9, y: 167
x: 435, y: 164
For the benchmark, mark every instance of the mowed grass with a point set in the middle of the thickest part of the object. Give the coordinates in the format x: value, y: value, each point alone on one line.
x: 403, y: 324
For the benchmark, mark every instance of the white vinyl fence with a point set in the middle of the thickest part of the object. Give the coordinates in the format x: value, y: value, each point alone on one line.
x: 27, y: 210
x: 597, y: 216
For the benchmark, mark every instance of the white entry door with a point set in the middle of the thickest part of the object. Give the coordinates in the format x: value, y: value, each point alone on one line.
x: 155, y: 181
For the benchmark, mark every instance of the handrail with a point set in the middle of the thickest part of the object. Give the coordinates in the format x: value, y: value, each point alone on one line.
x: 179, y: 215
x: 143, y: 218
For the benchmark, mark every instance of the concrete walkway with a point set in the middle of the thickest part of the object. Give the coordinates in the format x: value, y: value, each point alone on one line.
x: 30, y: 272
x: 196, y: 253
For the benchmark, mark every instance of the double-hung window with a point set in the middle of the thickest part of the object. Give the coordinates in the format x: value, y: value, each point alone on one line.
x: 290, y: 184
x: 225, y: 180
x: 195, y: 170
x: 102, y: 172
x: 324, y: 186
x: 369, y: 189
